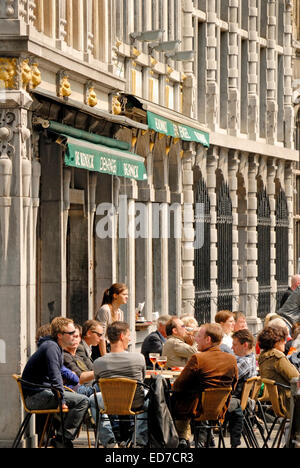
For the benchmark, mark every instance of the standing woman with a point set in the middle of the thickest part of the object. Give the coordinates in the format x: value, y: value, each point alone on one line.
x: 110, y: 311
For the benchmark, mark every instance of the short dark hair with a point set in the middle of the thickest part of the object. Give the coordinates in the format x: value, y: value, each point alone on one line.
x: 115, y: 329
x: 89, y: 325
x: 269, y: 336
x: 244, y: 336
x: 170, y: 325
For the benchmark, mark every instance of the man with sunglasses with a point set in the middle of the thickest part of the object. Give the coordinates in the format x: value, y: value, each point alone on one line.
x: 92, y: 334
x: 44, y: 368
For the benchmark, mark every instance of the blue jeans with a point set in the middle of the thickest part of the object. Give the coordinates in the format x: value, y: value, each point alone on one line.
x: 77, y: 404
x: 105, y: 431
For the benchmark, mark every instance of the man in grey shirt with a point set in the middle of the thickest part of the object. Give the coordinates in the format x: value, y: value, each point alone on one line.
x: 120, y: 363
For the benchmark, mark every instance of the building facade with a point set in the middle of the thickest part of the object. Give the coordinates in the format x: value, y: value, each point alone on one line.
x: 150, y: 143
x: 296, y: 101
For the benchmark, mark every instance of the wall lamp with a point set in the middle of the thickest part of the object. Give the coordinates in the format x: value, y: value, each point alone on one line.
x: 164, y: 46
x: 148, y: 36
x: 181, y: 56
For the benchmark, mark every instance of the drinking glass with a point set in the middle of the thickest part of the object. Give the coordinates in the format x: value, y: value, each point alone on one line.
x: 162, y: 361
x: 153, y: 358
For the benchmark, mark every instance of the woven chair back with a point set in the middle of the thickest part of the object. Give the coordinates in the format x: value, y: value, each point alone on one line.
x: 213, y: 403
x: 117, y: 394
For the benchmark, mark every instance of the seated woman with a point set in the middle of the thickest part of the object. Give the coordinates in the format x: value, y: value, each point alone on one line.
x: 274, y: 365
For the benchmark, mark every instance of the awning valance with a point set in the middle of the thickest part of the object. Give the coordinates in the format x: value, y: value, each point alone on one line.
x: 177, y: 130
x: 86, y: 153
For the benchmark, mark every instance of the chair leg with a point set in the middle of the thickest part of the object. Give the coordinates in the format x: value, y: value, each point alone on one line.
x: 279, y: 434
x: 44, y: 431
x: 269, y: 433
x: 134, y: 432
x: 221, y: 436
x: 21, y: 431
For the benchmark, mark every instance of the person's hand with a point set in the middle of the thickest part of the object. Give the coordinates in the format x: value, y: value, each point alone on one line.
x: 189, y: 338
x: 64, y: 406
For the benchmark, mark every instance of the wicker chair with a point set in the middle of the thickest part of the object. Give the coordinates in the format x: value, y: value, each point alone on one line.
x: 118, y: 395
x: 271, y: 387
x: 214, y: 403
x: 48, y: 412
x: 250, y: 390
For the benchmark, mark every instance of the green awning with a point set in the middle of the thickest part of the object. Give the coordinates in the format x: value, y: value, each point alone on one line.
x: 83, y: 154
x: 177, y: 130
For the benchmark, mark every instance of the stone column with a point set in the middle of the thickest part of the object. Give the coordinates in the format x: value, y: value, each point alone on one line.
x: 272, y: 107
x: 92, y: 184
x: 288, y: 76
x: 189, y: 84
x: 211, y: 83
x: 242, y: 229
x: 147, y: 195
x: 188, y: 288
x: 233, y: 69
x: 212, y: 164
x: 32, y: 225
x: 271, y: 173
x: 127, y: 255
x: 252, y: 283
x: 289, y: 193
x: 233, y: 164
x: 253, y: 104
x: 15, y: 203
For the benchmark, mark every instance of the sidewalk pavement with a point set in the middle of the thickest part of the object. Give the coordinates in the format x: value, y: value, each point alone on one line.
x: 82, y: 440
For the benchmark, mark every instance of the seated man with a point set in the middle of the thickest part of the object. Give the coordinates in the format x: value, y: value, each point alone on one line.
x: 243, y: 345
x: 44, y: 368
x: 92, y: 334
x: 179, y: 346
x: 76, y: 364
x: 120, y: 363
x: 154, y: 342
x: 208, y: 369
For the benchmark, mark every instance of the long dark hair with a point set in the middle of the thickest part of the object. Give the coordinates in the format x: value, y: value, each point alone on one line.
x: 108, y: 295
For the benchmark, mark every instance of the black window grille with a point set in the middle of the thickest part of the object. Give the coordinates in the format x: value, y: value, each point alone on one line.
x: 224, y: 259
x: 282, y: 245
x: 264, y: 253
x: 202, y: 254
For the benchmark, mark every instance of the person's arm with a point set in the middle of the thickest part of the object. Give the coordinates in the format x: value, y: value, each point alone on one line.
x: 286, y: 369
x: 185, y: 350
x: 103, y: 317
x: 86, y: 377
x: 185, y: 380
x: 54, y: 363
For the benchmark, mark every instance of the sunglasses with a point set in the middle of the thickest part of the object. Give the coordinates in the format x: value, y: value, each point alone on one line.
x: 98, y: 334
x: 69, y: 333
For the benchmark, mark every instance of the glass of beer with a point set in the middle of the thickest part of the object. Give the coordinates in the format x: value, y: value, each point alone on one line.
x: 153, y: 358
x: 162, y: 361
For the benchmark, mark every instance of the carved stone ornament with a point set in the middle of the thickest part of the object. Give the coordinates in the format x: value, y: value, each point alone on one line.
x: 90, y: 94
x: 8, y: 72
x: 36, y: 77
x: 116, y: 105
x: 6, y: 170
x: 63, y: 85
